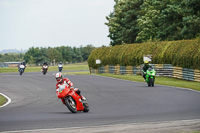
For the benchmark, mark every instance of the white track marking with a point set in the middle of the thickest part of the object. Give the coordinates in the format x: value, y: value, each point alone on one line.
x: 8, y: 102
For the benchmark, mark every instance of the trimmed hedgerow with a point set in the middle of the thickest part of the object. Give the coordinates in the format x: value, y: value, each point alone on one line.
x: 184, y: 53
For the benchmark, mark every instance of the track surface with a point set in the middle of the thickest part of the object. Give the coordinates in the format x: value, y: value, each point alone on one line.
x: 35, y: 106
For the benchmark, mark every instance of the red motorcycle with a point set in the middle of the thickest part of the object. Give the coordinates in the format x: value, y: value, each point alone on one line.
x: 72, y: 100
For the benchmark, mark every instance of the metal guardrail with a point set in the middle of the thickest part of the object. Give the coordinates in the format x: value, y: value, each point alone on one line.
x: 164, y: 70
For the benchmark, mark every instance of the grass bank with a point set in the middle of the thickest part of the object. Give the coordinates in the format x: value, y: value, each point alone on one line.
x: 76, y: 66
x: 159, y: 80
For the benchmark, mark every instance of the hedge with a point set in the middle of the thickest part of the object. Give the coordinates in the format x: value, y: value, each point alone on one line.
x: 184, y: 53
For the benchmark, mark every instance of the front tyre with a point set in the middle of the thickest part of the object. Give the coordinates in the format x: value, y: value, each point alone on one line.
x: 20, y: 72
x: 71, y: 104
x: 151, y: 80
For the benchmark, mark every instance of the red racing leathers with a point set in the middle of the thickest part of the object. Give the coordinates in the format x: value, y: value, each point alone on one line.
x: 64, y: 82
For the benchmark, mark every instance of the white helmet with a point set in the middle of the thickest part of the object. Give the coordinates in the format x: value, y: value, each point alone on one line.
x: 59, y: 77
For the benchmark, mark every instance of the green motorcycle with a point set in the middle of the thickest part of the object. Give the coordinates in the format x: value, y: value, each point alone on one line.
x: 150, y: 76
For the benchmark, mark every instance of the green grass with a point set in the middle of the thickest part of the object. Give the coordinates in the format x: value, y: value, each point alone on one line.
x: 2, y: 100
x: 192, y: 132
x: 77, y: 73
x: 159, y: 80
x: 76, y: 66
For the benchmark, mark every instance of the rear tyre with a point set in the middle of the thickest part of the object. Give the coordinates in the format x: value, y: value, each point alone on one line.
x: 71, y: 104
x: 86, y: 107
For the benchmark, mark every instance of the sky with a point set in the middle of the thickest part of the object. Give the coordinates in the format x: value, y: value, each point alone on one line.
x: 53, y: 23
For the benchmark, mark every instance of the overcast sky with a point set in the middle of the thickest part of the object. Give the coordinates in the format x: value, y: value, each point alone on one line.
x: 52, y: 23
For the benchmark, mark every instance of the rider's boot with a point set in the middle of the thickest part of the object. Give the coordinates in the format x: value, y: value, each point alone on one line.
x: 79, y: 93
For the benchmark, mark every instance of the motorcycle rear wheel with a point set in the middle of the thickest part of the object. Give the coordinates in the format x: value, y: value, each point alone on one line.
x: 71, y: 104
x: 86, y: 107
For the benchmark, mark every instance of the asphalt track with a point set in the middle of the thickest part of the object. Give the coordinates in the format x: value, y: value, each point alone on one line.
x: 35, y: 105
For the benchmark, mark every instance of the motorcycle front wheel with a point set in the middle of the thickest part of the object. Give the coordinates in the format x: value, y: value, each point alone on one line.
x: 20, y: 72
x: 71, y: 104
x: 151, y: 80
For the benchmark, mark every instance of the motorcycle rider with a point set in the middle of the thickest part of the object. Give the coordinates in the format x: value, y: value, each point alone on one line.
x: 21, y: 66
x: 60, y: 66
x: 145, y: 68
x: 44, y: 64
x: 65, y: 81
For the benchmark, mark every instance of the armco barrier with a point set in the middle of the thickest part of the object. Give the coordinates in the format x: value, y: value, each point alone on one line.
x: 197, y: 75
x: 129, y: 69
x: 164, y: 70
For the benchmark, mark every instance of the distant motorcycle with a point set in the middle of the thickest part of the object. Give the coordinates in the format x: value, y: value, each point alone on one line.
x: 150, y: 77
x: 44, y: 69
x: 72, y: 100
x: 21, y: 69
x: 60, y: 67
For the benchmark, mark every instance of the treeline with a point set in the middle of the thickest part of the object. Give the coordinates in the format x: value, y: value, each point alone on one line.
x: 38, y: 56
x: 11, y: 57
x: 183, y: 53
x: 63, y: 53
x: 136, y: 21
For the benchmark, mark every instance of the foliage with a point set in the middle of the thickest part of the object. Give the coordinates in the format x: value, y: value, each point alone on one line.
x: 11, y: 57
x: 122, y: 22
x: 142, y: 20
x: 185, y: 53
x: 64, y: 54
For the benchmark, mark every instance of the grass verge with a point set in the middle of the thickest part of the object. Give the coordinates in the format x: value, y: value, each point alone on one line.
x: 159, y: 80
x: 76, y: 66
x: 77, y: 73
x: 3, y: 100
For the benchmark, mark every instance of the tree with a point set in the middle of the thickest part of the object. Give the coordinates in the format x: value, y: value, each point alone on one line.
x: 114, y: 23
x: 191, y: 18
x: 31, y: 60
x: 85, y: 51
x: 122, y: 22
x: 54, y: 54
x: 170, y: 22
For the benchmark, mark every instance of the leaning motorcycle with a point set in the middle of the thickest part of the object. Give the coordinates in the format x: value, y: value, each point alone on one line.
x: 44, y: 69
x: 71, y: 99
x: 150, y: 77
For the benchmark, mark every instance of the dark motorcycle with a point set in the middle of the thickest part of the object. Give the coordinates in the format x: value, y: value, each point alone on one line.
x: 44, y: 69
